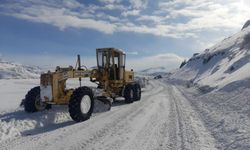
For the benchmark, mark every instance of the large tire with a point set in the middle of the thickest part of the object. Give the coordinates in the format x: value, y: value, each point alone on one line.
x: 129, y: 93
x: 32, y: 101
x: 137, y: 93
x: 77, y: 109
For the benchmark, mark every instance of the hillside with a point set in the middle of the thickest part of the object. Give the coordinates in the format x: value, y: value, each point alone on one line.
x: 224, y: 63
x: 217, y: 84
x: 11, y: 70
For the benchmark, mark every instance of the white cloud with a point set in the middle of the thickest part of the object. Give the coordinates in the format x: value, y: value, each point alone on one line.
x: 113, y: 7
x: 62, y: 18
x: 156, y: 19
x: 112, y: 18
x: 71, y: 4
x: 131, y: 13
x: 158, y: 30
x: 205, y: 14
x: 110, y: 1
x: 196, y: 16
x: 138, y: 3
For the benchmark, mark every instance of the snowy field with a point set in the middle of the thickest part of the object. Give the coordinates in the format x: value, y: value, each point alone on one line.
x: 13, y: 91
x: 169, y: 116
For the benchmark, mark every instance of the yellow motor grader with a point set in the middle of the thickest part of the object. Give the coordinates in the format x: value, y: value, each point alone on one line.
x: 110, y: 76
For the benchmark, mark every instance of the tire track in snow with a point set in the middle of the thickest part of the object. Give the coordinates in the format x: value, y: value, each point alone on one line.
x: 153, y: 133
x: 120, y: 129
x: 191, y: 132
x: 163, y: 119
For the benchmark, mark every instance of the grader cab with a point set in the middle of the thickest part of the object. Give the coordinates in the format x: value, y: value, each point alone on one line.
x: 110, y: 76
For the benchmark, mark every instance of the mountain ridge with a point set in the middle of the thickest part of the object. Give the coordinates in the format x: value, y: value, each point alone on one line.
x: 13, y: 70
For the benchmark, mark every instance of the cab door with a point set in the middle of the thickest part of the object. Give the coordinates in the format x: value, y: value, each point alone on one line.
x: 122, y: 59
x: 103, y: 62
x: 117, y: 66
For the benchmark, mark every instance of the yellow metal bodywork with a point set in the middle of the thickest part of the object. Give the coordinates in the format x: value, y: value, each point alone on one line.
x: 111, y: 88
x: 57, y: 80
x: 129, y: 76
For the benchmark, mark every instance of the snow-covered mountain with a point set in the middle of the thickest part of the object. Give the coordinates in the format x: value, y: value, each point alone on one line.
x: 224, y: 63
x: 154, y: 71
x: 246, y: 24
x: 11, y: 70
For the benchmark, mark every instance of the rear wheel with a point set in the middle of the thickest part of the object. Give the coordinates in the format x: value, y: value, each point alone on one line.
x: 32, y: 102
x: 129, y: 93
x: 137, y: 93
x: 81, y: 104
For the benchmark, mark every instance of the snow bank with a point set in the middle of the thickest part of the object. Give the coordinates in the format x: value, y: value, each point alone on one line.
x: 8, y: 130
x: 19, y: 123
x: 14, y: 122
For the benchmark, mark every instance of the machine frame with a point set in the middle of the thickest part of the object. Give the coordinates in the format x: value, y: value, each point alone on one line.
x: 110, y: 76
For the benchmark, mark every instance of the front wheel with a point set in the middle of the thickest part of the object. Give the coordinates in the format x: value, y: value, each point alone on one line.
x: 81, y: 104
x: 32, y: 102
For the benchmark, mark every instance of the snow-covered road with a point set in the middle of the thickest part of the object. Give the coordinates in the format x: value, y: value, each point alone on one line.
x: 163, y: 119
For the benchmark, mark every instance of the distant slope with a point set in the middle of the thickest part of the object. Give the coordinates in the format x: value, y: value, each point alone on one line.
x: 11, y: 70
x: 154, y: 71
x: 224, y: 63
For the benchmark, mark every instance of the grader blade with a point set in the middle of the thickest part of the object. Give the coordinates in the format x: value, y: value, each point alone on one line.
x: 102, y: 104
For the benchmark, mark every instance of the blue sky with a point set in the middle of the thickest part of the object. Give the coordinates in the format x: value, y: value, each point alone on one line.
x: 152, y: 32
